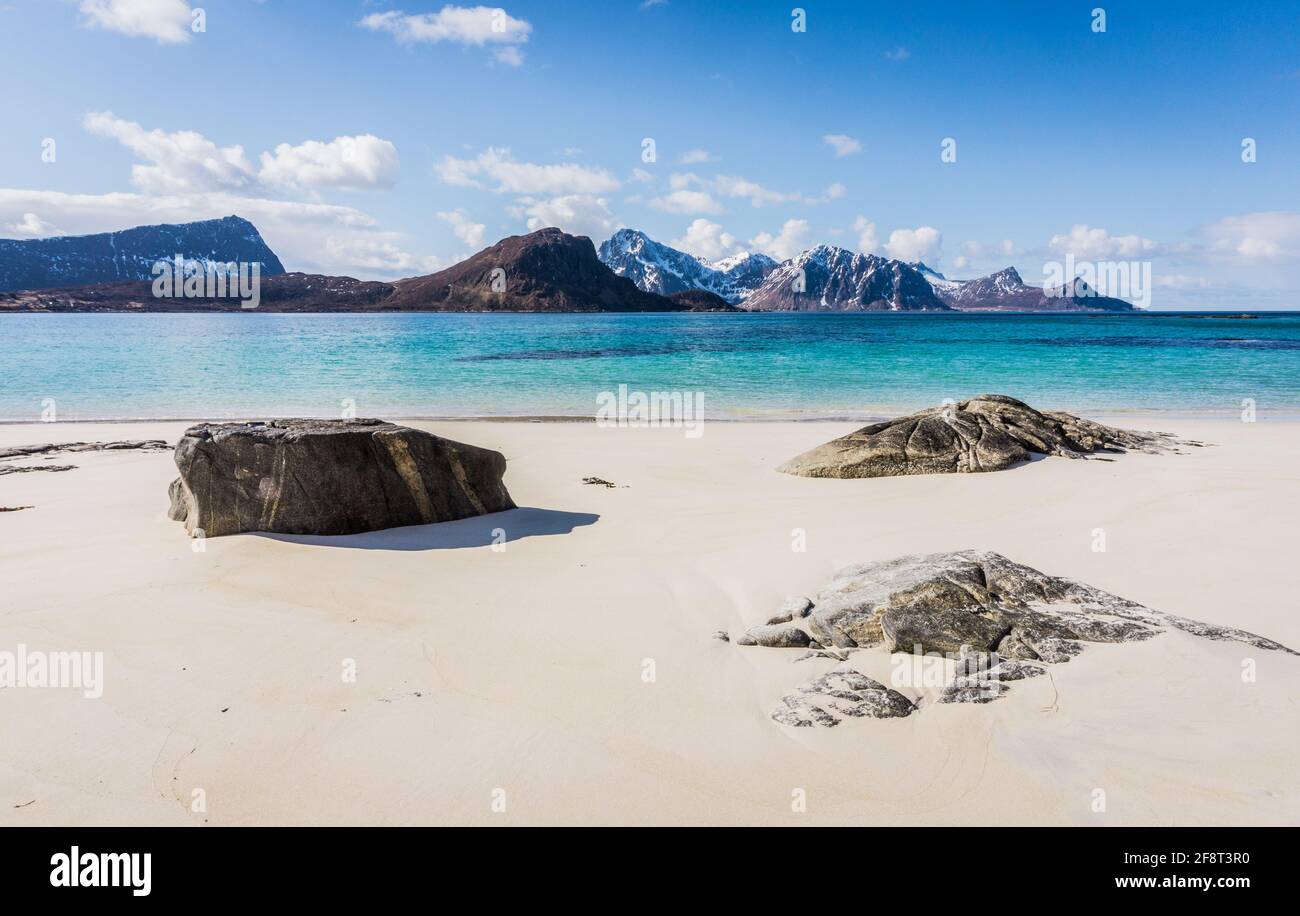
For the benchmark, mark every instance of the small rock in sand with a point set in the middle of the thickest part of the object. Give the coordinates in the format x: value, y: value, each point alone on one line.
x: 792, y: 609
x: 775, y: 637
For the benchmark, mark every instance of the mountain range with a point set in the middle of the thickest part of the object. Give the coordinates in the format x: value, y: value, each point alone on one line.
x: 831, y: 279
x: 543, y: 271
x: 657, y: 268
x: 109, y: 257
x: 1004, y: 291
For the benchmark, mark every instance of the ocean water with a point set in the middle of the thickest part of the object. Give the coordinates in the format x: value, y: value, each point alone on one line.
x: 115, y: 366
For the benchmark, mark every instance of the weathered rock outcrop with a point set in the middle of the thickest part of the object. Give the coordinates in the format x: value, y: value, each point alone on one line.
x: 987, y: 433
x: 999, y: 621
x: 329, y: 477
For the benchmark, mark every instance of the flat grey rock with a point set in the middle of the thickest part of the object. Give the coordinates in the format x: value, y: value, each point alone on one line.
x: 985, y: 686
x: 775, y: 637
x: 35, y: 468
x: 50, y: 449
x: 837, y: 695
x: 792, y: 609
x: 54, y: 448
x: 987, y: 433
x: 981, y: 600
x: 999, y: 621
x: 328, y: 477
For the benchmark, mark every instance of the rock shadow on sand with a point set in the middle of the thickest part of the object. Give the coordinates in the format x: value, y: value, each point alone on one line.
x: 479, y: 531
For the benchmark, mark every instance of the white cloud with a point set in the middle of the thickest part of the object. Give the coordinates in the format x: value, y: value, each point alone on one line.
x: 706, y: 240
x: 1254, y: 237
x: 898, y: 54
x: 188, y: 178
x: 468, y: 231
x: 465, y: 25
x: 793, y: 238
x: 378, y: 256
x: 690, y: 157
x: 1181, y: 282
x: 505, y: 175
x: 868, y: 241
x: 1097, y: 244
x: 961, y: 262
x: 350, y: 163
x: 32, y: 226
x: 642, y: 176
x: 758, y: 195
x: 576, y: 214
x: 182, y: 161
x: 165, y: 21
x: 843, y: 144
x: 509, y: 55
x: 924, y: 243
x: 685, y: 201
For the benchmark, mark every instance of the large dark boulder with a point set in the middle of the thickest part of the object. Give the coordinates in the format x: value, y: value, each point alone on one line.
x: 329, y: 477
x: 987, y: 433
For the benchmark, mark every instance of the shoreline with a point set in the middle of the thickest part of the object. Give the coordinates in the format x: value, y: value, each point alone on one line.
x: 1243, y: 314
x: 1125, y: 414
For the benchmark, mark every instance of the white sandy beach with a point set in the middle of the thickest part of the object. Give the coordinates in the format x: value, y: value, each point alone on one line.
x: 522, y: 669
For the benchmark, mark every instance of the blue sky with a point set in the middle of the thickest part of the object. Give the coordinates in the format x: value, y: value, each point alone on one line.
x: 389, y: 139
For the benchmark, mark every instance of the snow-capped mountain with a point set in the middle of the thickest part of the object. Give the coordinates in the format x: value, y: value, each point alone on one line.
x: 938, y: 281
x: 658, y: 268
x: 78, y: 260
x: 831, y: 279
x: 745, y: 271
x: 1005, y: 291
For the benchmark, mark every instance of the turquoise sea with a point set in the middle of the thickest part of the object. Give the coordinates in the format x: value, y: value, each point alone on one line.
x: 116, y: 366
